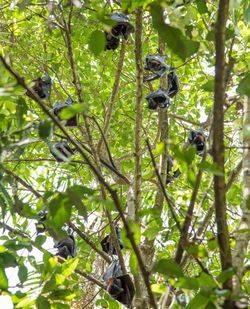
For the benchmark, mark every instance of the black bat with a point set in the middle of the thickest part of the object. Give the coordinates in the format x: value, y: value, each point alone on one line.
x: 122, y: 28
x: 197, y: 138
x: 66, y: 247
x: 173, y: 84
x: 42, y: 87
x: 119, y: 286
x: 105, y: 243
x: 64, y: 149
x: 156, y: 64
x: 58, y: 107
x: 158, y: 98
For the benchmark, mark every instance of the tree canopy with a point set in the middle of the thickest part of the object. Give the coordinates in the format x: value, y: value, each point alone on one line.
x: 184, y: 215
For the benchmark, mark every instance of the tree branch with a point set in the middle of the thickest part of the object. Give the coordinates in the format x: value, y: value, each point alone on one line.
x: 218, y: 144
x: 21, y: 181
x: 114, y: 93
x: 138, y: 113
x: 103, y: 254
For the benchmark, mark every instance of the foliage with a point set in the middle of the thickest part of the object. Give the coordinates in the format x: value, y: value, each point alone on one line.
x: 34, y: 42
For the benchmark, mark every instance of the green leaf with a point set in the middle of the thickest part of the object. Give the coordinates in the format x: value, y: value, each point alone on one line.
x: 212, y: 244
x: 3, y: 279
x: 229, y: 34
x: 226, y: 274
x: 244, y: 86
x: 21, y: 109
x: 101, y: 15
x: 22, y: 273
x: 82, y: 190
x: 69, y: 267
x: 25, y: 302
x: 197, y: 251
x: 109, y: 205
x: 102, y: 302
x: 246, y: 14
x: 198, y: 302
x: 66, y: 294
x: 49, y: 267
x: 158, y: 288
x: 168, y: 268
x: 3, y: 206
x: 60, y: 209
x: 70, y: 111
x: 97, y: 42
x: 76, y: 199
x: 7, y: 260
x: 188, y: 283
x: 210, y: 35
x: 44, y: 129
x: 201, y: 6
x: 56, y: 305
x: 159, y: 149
x: 211, y: 168
x: 50, y: 284
x: 23, y: 4
x: 206, y: 281
x: 40, y: 240
x: 133, y: 263
x: 135, y: 228
x: 152, y: 232
x: 59, y: 279
x: 112, y: 303
x: 42, y: 303
x: 6, y: 194
x: 174, y: 38
x: 208, y: 86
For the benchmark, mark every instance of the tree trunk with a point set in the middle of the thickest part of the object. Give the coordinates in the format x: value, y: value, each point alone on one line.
x: 242, y: 239
x: 218, y: 145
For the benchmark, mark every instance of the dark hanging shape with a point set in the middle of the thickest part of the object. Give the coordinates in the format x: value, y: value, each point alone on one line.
x: 119, y: 286
x: 111, y: 41
x: 170, y: 165
x: 64, y: 149
x: 105, y: 243
x: 123, y: 26
x: 197, y: 138
x: 156, y: 64
x: 40, y: 227
x: 42, y: 87
x: 173, y: 84
x: 158, y: 98
x: 66, y: 247
x: 58, y: 107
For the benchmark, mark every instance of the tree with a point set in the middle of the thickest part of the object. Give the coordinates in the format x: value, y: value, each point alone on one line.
x: 173, y: 248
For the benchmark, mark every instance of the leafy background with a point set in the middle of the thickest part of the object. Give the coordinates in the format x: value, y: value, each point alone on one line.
x: 33, y: 42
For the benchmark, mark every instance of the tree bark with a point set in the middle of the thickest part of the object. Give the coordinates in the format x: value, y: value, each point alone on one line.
x: 138, y: 108
x: 242, y: 239
x: 218, y: 145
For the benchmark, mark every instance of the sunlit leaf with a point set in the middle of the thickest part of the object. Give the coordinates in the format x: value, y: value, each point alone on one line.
x: 244, y: 86
x: 133, y: 263
x: 97, y: 42
x: 44, y: 129
x: 168, y: 268
x: 3, y: 279
x: 42, y: 303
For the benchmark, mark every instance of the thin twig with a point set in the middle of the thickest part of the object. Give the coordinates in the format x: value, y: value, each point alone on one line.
x: 169, y: 202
